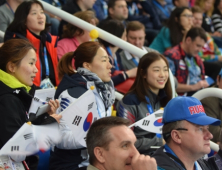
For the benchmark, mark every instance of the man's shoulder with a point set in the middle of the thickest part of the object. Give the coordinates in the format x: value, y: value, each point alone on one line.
x: 164, y: 161
x: 174, y: 53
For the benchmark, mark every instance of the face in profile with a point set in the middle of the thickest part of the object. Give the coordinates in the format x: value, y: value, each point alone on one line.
x: 100, y: 65
x: 121, y: 149
x: 36, y: 19
x: 26, y: 71
x: 157, y: 75
x: 200, y: 137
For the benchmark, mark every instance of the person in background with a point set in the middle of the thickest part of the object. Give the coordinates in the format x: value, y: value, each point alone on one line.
x: 30, y: 23
x: 186, y: 65
x: 92, y: 69
x: 17, y: 73
x: 210, y: 53
x: 180, y: 21
x: 135, y: 34
x: 216, y: 160
x: 7, y: 11
x: 187, y: 136
x: 181, y: 3
x: 110, y: 145
x: 151, y: 91
x: 73, y: 6
x: 101, y: 9
x: 73, y: 36
x: 117, y: 29
x: 217, y: 16
x: 207, y: 25
x: 213, y: 107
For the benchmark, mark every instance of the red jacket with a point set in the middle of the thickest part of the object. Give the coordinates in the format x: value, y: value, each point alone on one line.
x: 51, y: 46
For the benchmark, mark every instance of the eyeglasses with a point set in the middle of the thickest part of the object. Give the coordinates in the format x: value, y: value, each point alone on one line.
x: 166, y: 135
x: 187, y: 15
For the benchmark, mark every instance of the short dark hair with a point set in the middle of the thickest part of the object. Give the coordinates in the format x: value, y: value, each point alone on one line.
x: 112, y: 26
x: 134, y: 26
x: 18, y: 25
x: 167, y: 129
x: 196, y: 32
x: 99, y: 135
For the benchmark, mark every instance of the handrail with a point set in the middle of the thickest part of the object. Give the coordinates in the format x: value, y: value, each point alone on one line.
x: 102, y: 34
x: 2, y: 34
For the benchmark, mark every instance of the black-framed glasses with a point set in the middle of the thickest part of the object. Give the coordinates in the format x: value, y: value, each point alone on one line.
x: 187, y: 15
x: 166, y: 135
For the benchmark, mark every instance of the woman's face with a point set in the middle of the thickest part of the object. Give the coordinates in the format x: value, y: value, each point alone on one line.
x: 26, y: 71
x: 36, y: 19
x: 101, y: 65
x: 207, y: 5
x: 157, y: 75
x: 186, y: 19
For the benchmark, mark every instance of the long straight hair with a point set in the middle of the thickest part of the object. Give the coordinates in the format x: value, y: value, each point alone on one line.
x: 175, y: 27
x: 140, y: 85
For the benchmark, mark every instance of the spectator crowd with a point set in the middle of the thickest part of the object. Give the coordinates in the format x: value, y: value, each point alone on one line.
x: 40, y: 50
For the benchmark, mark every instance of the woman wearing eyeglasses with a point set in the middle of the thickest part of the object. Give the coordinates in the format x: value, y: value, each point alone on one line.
x: 180, y: 21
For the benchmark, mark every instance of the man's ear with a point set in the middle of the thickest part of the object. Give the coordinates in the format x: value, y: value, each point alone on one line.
x: 188, y: 40
x: 175, y: 136
x: 99, y: 154
x: 10, y: 67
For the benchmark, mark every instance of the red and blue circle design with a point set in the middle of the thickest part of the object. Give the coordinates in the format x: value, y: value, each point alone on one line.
x: 158, y: 122
x: 88, y: 121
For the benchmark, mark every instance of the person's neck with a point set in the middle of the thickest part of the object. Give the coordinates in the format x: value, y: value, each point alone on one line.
x: 113, y: 49
x: 13, y: 4
x: 184, y: 47
x: 156, y: 92
x: 81, y: 6
x: 188, y: 159
x: 79, y: 39
x: 116, y: 18
x: 99, y: 166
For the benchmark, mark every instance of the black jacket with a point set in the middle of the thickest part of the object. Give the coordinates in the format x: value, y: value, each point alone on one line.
x: 14, y: 106
x: 165, y: 162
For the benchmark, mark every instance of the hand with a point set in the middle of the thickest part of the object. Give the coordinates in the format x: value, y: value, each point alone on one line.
x: 219, y: 58
x: 143, y: 162
x: 201, y: 84
x: 132, y: 73
x: 217, y: 34
x: 54, y: 104
x: 57, y: 117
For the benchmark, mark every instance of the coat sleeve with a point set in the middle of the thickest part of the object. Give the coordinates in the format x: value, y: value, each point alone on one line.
x: 129, y: 112
x: 12, y: 118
